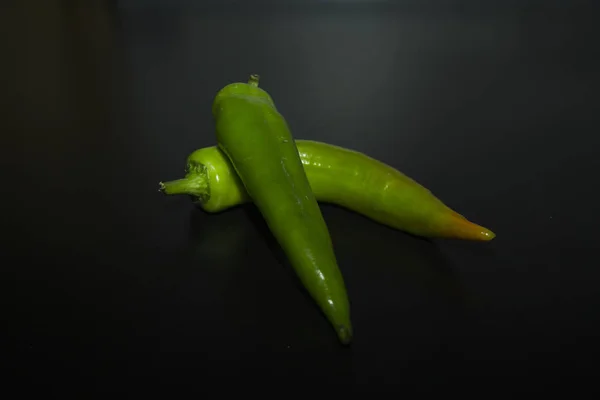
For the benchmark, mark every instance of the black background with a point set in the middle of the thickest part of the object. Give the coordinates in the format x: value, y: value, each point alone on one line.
x: 492, y: 107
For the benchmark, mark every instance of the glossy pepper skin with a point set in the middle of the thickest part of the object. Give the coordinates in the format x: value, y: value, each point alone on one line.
x: 338, y: 176
x: 256, y: 139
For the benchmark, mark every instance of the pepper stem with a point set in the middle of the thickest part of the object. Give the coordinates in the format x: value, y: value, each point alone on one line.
x: 193, y: 184
x: 253, y: 81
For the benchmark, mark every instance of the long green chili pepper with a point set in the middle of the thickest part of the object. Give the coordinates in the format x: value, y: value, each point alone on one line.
x: 256, y: 139
x: 338, y: 176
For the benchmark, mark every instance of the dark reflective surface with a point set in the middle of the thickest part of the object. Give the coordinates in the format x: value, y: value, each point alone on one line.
x: 492, y: 109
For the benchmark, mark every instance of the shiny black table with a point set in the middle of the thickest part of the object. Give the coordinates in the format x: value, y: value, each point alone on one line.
x: 493, y: 108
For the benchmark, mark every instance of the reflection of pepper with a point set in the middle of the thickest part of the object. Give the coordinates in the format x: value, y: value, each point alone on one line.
x: 338, y: 176
x: 257, y: 141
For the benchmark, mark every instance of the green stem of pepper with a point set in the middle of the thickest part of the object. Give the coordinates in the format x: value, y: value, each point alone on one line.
x: 193, y: 185
x: 253, y: 81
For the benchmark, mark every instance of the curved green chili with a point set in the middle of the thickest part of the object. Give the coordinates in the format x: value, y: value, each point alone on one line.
x: 338, y: 176
x: 257, y: 141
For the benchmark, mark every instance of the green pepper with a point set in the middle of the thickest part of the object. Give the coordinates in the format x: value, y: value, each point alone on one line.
x: 256, y: 139
x: 338, y: 176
